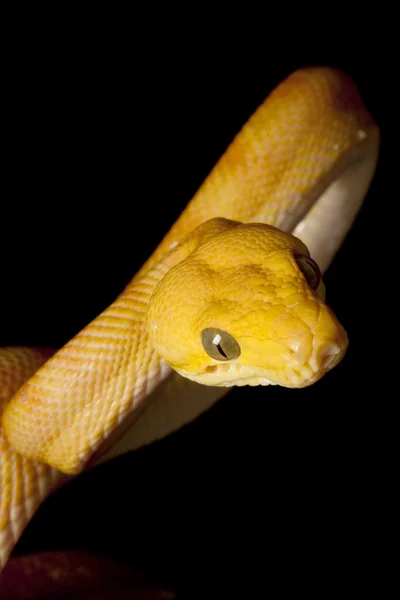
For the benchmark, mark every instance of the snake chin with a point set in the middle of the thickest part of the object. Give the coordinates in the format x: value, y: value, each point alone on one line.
x: 229, y: 375
x: 219, y: 380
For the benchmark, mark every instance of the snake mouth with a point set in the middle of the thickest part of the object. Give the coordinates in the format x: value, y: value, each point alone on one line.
x: 325, y: 356
x: 229, y: 375
x: 239, y: 375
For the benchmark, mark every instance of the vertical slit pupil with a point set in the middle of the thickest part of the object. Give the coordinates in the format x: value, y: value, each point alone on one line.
x: 220, y: 350
x: 219, y: 344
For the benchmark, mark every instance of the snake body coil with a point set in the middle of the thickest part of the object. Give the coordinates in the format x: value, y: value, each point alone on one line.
x: 233, y: 295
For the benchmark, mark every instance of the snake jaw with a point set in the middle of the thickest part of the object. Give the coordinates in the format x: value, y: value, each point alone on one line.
x: 323, y: 359
x: 229, y: 375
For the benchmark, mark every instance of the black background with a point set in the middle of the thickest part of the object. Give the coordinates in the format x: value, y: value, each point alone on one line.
x: 108, y: 142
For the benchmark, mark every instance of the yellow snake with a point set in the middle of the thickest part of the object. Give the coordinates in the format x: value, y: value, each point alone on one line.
x: 233, y: 295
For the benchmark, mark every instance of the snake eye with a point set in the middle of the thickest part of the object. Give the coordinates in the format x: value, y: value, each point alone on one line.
x: 310, y: 270
x: 220, y: 345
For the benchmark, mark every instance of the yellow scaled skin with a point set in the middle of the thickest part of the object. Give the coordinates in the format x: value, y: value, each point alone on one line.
x: 245, y: 280
x: 240, y: 278
x: 24, y: 484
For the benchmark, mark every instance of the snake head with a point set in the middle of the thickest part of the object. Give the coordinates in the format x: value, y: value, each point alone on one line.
x: 246, y: 307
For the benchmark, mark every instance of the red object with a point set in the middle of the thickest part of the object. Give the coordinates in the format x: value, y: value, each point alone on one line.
x: 74, y: 575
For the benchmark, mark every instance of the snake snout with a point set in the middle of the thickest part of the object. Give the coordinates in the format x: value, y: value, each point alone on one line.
x: 330, y: 343
x: 316, y: 344
x: 326, y: 355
